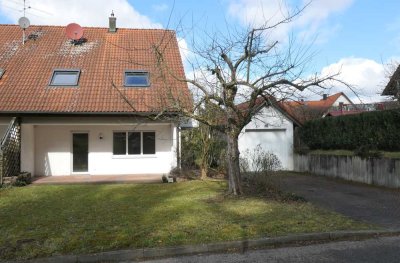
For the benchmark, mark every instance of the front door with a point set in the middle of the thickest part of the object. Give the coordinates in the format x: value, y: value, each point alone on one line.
x: 80, y: 150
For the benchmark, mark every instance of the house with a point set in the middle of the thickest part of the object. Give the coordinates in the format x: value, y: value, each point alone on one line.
x: 97, y: 105
x: 333, y: 105
x: 393, y: 86
x: 272, y: 128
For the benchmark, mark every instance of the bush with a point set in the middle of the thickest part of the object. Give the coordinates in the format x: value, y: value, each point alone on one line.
x: 374, y: 130
x: 193, y: 145
x: 259, y: 161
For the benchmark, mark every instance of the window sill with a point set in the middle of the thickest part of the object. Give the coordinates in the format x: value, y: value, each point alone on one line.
x: 141, y: 156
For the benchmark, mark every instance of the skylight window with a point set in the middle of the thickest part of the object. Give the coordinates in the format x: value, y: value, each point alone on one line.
x: 65, y: 77
x: 1, y: 72
x: 137, y: 79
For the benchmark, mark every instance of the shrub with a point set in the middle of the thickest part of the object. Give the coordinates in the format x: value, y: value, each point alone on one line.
x: 259, y: 161
x: 374, y: 130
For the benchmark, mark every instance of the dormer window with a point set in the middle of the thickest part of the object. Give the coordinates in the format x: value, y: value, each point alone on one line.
x: 65, y: 77
x: 1, y: 72
x: 136, y: 78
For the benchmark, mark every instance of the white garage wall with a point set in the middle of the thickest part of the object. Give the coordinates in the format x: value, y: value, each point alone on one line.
x: 53, y: 150
x: 273, y: 131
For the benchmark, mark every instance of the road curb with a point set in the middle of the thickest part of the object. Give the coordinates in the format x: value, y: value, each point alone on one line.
x: 148, y: 253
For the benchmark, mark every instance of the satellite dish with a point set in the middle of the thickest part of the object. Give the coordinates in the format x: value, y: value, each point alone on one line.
x: 74, y: 31
x: 24, y: 22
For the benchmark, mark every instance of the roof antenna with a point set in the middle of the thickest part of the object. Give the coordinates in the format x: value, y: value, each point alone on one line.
x: 24, y: 23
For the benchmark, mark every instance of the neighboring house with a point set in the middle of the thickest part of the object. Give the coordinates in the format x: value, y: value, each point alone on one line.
x: 273, y: 129
x: 393, y: 86
x: 332, y: 105
x: 89, y: 106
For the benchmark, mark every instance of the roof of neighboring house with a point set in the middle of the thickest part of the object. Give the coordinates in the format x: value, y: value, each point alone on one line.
x: 309, y: 110
x: 301, y: 111
x: 102, y: 61
x: 322, y: 104
x: 392, y: 88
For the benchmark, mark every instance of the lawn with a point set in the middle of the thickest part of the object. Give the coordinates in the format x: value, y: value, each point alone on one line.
x: 38, y: 221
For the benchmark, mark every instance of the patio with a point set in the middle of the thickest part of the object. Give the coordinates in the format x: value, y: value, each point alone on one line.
x: 97, y: 179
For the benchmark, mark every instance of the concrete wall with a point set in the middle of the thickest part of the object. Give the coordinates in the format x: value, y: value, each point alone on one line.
x: 273, y: 131
x: 47, y: 149
x: 382, y: 172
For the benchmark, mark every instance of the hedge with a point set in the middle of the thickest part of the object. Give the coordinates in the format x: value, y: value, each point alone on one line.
x: 378, y: 130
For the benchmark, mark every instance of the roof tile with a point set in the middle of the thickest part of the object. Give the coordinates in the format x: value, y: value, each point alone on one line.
x: 102, y: 59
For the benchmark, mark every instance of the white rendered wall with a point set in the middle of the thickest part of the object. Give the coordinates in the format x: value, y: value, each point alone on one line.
x: 4, y: 122
x: 28, y: 148
x: 53, y: 150
x: 273, y: 131
x: 341, y: 99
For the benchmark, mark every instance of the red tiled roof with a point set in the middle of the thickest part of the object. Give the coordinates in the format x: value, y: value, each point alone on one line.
x: 320, y: 104
x: 300, y: 111
x: 309, y: 110
x: 102, y: 59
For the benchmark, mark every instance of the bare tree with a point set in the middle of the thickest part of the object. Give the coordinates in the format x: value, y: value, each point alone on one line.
x: 244, y: 66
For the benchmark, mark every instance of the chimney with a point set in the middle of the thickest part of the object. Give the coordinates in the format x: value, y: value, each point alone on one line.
x: 112, y: 23
x: 324, y: 96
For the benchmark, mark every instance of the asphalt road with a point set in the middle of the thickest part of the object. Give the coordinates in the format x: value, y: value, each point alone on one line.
x: 385, y: 249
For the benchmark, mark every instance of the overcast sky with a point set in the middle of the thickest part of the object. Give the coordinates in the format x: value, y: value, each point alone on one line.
x: 356, y: 37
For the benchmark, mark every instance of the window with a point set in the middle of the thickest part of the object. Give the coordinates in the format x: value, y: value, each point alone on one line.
x: 134, y: 143
x: 1, y: 72
x: 137, y: 79
x: 65, y: 77
x: 149, y: 143
x: 119, y: 146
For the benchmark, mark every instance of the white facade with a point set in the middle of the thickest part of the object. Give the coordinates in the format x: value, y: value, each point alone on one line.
x: 4, y: 122
x: 46, y: 146
x: 273, y: 131
x: 341, y: 99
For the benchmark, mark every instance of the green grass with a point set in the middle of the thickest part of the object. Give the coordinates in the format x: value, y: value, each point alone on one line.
x: 333, y: 152
x: 394, y: 155
x: 40, y: 221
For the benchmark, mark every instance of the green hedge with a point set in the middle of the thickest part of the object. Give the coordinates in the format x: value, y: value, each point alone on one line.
x: 378, y: 130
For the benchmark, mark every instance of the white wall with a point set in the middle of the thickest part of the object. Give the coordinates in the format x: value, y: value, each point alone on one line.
x: 28, y: 148
x: 273, y: 131
x: 4, y: 122
x: 53, y: 150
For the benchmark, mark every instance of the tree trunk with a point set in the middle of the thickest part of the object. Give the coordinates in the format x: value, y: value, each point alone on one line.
x: 203, y: 172
x: 235, y: 181
x: 204, y: 163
